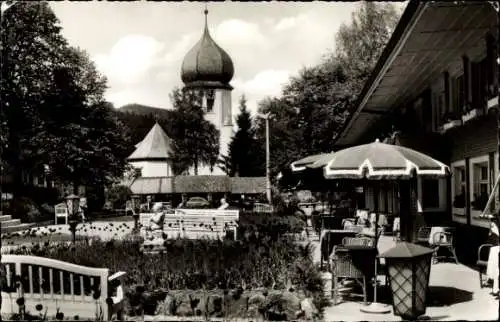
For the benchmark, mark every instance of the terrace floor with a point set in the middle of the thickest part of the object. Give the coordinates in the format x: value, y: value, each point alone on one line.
x: 454, y: 290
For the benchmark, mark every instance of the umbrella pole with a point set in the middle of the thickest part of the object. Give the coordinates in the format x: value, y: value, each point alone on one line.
x: 375, y: 307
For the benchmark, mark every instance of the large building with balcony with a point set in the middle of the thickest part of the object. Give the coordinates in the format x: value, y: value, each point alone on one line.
x: 435, y: 89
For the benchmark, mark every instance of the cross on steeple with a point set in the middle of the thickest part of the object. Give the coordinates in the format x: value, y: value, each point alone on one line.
x: 206, y: 15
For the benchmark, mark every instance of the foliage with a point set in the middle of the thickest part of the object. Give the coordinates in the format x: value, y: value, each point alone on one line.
x: 313, y: 107
x: 53, y: 103
x: 196, y: 140
x: 118, y: 195
x: 359, y: 44
x: 245, y: 157
x: 269, y: 225
x: 31, y: 45
x: 251, y: 263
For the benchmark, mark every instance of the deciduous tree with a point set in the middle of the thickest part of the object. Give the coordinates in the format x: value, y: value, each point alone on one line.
x: 196, y: 140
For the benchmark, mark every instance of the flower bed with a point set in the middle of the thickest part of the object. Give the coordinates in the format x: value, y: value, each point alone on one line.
x: 264, y: 267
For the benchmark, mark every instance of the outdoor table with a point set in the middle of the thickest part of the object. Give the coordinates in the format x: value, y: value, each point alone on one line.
x: 332, y: 237
x: 434, y: 230
x: 492, y: 267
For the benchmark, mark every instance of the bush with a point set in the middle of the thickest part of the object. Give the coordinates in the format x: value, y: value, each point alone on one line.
x: 118, y: 196
x: 270, y: 225
x: 263, y: 258
x: 24, y: 209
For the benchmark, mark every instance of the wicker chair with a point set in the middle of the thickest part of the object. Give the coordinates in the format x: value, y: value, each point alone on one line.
x: 349, y: 265
x: 482, y: 261
x: 443, y: 240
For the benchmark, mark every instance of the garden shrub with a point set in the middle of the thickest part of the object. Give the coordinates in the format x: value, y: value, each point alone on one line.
x: 262, y: 259
x: 24, y: 209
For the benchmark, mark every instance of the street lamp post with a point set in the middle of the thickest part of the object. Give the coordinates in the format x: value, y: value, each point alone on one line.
x: 267, y: 117
x: 73, y: 204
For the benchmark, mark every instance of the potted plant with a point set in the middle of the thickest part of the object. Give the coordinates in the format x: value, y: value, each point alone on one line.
x: 451, y: 120
x: 471, y: 113
x: 492, y: 96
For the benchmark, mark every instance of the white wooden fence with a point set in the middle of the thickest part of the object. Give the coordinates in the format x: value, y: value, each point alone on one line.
x: 195, y: 223
x: 56, y: 285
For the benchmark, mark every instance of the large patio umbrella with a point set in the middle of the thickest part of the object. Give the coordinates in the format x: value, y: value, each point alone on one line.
x: 308, y: 170
x: 311, y: 161
x: 380, y: 161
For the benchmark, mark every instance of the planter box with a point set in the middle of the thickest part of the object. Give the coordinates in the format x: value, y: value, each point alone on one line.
x: 449, y: 125
x: 472, y: 115
x: 493, y: 102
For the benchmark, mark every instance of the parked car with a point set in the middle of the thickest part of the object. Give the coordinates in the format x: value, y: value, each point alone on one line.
x: 197, y: 203
x: 161, y: 206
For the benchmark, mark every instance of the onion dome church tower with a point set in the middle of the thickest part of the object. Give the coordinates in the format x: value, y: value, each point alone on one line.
x: 209, y: 69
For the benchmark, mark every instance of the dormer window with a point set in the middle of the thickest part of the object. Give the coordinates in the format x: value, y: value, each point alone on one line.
x: 210, y: 97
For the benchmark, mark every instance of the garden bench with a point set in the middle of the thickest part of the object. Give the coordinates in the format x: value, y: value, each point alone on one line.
x: 196, y: 223
x: 73, y: 289
x: 61, y: 211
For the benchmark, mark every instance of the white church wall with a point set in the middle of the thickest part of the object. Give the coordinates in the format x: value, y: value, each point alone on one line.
x: 153, y: 168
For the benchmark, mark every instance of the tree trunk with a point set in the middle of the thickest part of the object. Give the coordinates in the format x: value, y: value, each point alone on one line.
x: 195, y: 167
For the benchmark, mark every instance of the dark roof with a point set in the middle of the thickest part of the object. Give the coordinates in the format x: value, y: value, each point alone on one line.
x: 201, y: 184
x: 248, y: 185
x: 152, y: 185
x: 207, y: 64
x: 396, y: 37
x: 155, y: 146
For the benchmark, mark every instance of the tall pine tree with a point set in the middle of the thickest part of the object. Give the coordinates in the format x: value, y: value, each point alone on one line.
x: 245, y: 157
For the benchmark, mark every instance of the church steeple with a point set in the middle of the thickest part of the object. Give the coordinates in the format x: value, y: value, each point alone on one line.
x: 207, y: 65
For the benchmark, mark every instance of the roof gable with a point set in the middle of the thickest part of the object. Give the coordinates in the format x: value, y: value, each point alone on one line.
x: 156, y: 145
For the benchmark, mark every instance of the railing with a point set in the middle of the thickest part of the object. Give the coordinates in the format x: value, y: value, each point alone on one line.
x: 262, y: 208
x: 73, y: 289
x: 195, y: 223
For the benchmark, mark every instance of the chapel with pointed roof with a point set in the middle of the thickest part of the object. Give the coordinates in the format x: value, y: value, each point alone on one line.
x: 152, y: 155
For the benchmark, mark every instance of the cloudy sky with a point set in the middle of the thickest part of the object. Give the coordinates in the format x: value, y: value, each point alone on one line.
x: 140, y: 45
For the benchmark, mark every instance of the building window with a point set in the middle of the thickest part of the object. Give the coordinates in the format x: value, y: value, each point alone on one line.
x: 438, y: 110
x: 430, y: 193
x: 459, y: 93
x: 480, y: 187
x: 210, y: 99
x: 458, y: 184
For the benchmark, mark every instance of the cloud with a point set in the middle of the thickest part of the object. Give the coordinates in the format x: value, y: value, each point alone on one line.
x: 176, y: 53
x: 267, y: 82
x: 239, y: 32
x: 263, y: 84
x: 130, y: 58
x: 289, y: 22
